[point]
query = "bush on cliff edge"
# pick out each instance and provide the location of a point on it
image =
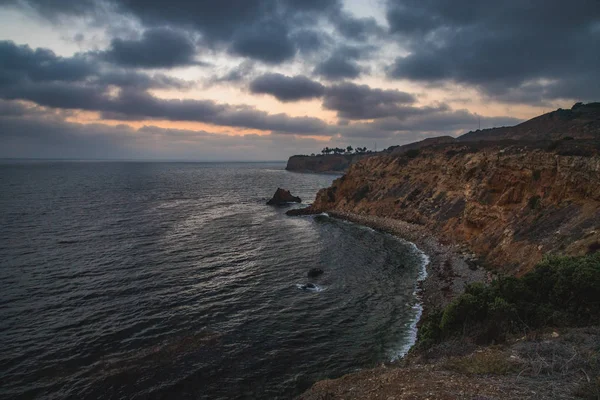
(559, 292)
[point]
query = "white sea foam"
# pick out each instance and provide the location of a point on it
(418, 308)
(315, 288)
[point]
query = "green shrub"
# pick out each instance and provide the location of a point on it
(537, 174)
(560, 291)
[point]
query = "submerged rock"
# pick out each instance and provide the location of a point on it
(300, 211)
(282, 197)
(314, 272)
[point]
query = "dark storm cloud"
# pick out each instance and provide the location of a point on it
(343, 63)
(56, 94)
(309, 41)
(337, 67)
(504, 48)
(355, 102)
(137, 105)
(359, 29)
(42, 77)
(269, 42)
(271, 31)
(157, 48)
(22, 62)
(286, 88)
(21, 65)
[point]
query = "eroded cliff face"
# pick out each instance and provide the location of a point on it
(510, 205)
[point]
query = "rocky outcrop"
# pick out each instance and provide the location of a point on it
(511, 204)
(283, 197)
(314, 272)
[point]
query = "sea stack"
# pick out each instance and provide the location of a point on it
(283, 197)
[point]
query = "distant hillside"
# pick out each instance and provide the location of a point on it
(419, 145)
(339, 163)
(582, 121)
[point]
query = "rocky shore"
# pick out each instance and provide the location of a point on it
(499, 201)
(449, 270)
(546, 365)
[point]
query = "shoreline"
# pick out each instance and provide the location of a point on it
(447, 273)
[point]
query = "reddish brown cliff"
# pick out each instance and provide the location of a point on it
(511, 204)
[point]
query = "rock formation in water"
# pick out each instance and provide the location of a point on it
(283, 197)
(314, 272)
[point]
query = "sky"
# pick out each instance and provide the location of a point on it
(265, 79)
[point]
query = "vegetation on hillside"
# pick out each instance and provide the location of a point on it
(559, 292)
(346, 150)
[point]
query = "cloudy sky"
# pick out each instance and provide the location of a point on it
(264, 79)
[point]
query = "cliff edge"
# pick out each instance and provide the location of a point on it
(510, 204)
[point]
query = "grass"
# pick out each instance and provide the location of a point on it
(489, 362)
(589, 390)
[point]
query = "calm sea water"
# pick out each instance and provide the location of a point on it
(175, 280)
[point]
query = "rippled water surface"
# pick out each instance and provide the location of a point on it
(175, 280)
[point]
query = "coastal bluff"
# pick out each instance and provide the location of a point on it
(510, 196)
(510, 204)
(329, 163)
(510, 220)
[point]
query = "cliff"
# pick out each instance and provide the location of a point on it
(508, 203)
(330, 163)
(506, 198)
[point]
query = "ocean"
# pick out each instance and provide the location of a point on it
(135, 280)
